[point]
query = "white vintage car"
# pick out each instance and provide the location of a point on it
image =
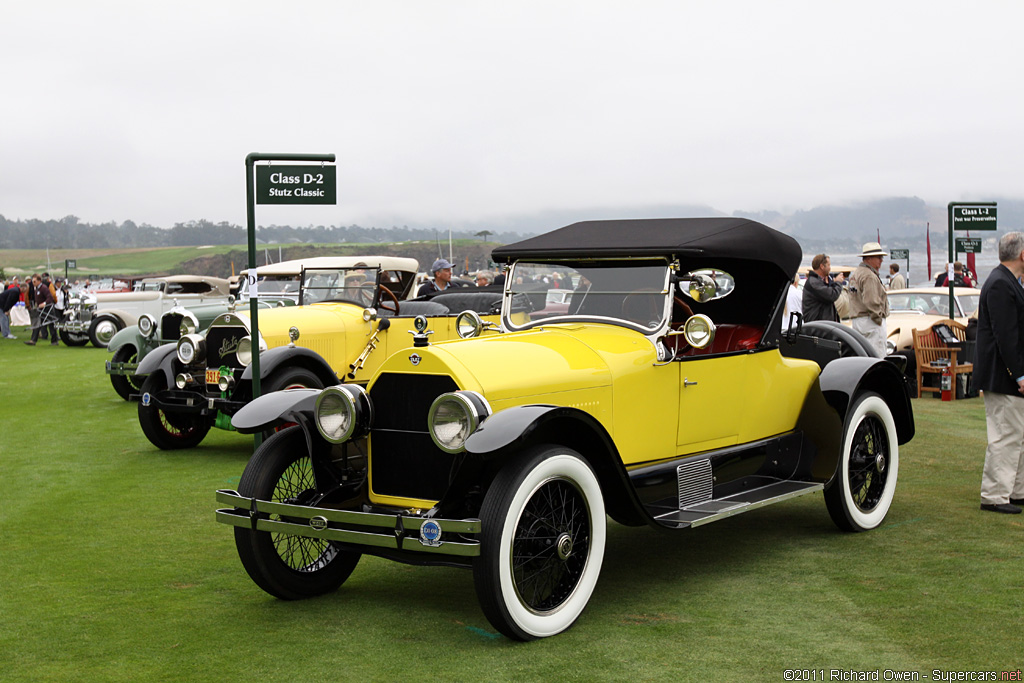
(97, 317)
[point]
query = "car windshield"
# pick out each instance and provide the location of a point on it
(932, 303)
(351, 285)
(630, 293)
(279, 284)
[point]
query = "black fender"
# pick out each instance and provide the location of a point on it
(293, 355)
(844, 379)
(272, 409)
(511, 430)
(160, 359)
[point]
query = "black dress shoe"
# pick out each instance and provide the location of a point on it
(1017, 501)
(1005, 508)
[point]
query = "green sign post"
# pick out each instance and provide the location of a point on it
(69, 264)
(269, 184)
(966, 216)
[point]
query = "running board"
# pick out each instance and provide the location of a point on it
(719, 508)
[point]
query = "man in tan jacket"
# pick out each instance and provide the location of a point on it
(869, 306)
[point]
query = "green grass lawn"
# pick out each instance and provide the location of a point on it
(112, 568)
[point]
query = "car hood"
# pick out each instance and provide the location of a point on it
(524, 367)
(312, 320)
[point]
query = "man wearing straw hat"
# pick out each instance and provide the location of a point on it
(869, 306)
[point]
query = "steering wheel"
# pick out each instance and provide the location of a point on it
(387, 293)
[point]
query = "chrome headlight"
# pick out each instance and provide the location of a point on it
(469, 324)
(244, 351)
(189, 324)
(454, 416)
(699, 331)
(147, 325)
(191, 349)
(890, 347)
(343, 412)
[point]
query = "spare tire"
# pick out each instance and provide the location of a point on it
(853, 342)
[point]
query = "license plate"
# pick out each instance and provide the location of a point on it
(212, 376)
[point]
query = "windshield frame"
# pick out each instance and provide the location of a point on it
(357, 295)
(514, 294)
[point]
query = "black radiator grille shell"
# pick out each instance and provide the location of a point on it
(218, 338)
(404, 462)
(170, 326)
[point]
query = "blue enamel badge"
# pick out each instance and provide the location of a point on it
(430, 533)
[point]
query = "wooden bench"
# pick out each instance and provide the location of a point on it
(931, 352)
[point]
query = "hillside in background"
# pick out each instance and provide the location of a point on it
(899, 221)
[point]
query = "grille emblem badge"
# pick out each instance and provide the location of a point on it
(415, 359)
(430, 534)
(228, 346)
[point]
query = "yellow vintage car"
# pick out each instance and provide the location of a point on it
(352, 314)
(663, 395)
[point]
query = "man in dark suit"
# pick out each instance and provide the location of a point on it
(999, 372)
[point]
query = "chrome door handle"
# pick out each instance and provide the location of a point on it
(688, 383)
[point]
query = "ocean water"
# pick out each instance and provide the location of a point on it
(984, 263)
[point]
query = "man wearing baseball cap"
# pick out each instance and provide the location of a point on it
(869, 305)
(442, 271)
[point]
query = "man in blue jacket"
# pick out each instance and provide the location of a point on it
(999, 372)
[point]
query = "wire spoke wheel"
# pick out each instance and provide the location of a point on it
(542, 543)
(550, 547)
(868, 464)
(286, 566)
(861, 492)
(298, 486)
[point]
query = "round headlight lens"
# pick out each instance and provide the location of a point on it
(699, 331)
(341, 411)
(244, 351)
(188, 325)
(186, 351)
(468, 324)
(453, 417)
(147, 325)
(191, 349)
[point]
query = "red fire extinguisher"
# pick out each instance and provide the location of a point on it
(947, 384)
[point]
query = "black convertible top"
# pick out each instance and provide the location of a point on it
(731, 238)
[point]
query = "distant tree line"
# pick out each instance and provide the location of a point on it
(71, 233)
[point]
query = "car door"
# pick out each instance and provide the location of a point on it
(713, 397)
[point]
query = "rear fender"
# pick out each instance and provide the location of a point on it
(844, 379)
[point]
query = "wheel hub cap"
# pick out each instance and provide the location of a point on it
(880, 462)
(564, 546)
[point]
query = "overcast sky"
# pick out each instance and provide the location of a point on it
(449, 112)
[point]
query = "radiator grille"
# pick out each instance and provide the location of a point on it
(221, 344)
(170, 326)
(404, 462)
(695, 482)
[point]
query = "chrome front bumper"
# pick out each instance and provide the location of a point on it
(397, 531)
(74, 326)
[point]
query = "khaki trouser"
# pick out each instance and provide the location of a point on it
(1003, 475)
(875, 334)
